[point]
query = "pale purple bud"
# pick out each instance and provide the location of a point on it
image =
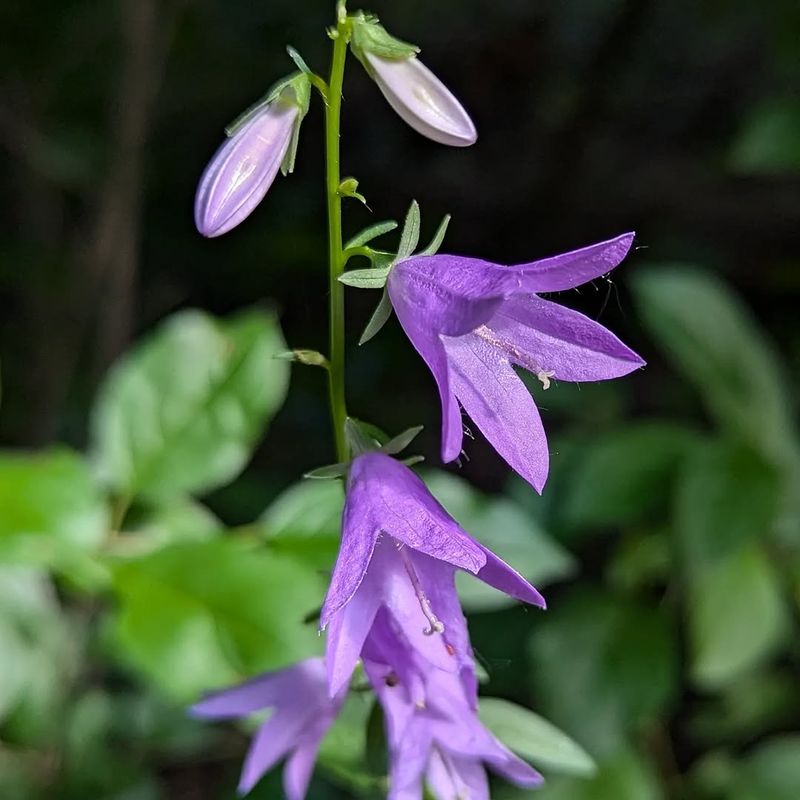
(242, 170)
(422, 100)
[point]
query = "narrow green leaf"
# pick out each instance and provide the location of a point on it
(373, 278)
(183, 411)
(438, 238)
(737, 617)
(410, 235)
(399, 443)
(298, 60)
(370, 233)
(534, 738)
(327, 473)
(380, 316)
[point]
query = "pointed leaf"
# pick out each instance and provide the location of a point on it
(399, 443)
(379, 318)
(370, 233)
(534, 738)
(328, 472)
(438, 238)
(298, 60)
(373, 278)
(410, 236)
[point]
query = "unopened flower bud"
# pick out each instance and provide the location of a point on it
(260, 143)
(422, 100)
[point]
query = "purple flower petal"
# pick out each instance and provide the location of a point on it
(261, 692)
(300, 765)
(569, 270)
(454, 778)
(273, 740)
(409, 757)
(503, 577)
(451, 295)
(422, 100)
(547, 337)
(242, 170)
(500, 405)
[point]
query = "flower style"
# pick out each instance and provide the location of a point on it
(303, 713)
(441, 740)
(421, 100)
(261, 142)
(471, 320)
(399, 552)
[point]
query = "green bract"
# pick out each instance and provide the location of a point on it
(371, 37)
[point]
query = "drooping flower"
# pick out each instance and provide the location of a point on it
(303, 712)
(244, 167)
(472, 321)
(440, 741)
(399, 552)
(420, 99)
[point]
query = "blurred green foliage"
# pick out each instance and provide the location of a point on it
(168, 547)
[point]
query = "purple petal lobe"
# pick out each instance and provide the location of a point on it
(546, 337)
(242, 170)
(500, 405)
(300, 764)
(451, 295)
(409, 759)
(453, 778)
(503, 577)
(572, 269)
(262, 692)
(422, 100)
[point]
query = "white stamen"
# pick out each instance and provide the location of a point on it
(436, 625)
(544, 376)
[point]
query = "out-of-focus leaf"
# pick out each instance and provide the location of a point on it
(714, 342)
(504, 527)
(625, 475)
(769, 142)
(642, 560)
(13, 676)
(304, 521)
(727, 496)
(601, 667)
(183, 411)
(625, 776)
(51, 511)
(197, 616)
(533, 737)
(737, 616)
(772, 772)
(183, 520)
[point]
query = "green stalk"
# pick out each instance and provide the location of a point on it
(335, 252)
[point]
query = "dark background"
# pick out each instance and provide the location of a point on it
(677, 119)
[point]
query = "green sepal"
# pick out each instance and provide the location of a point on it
(299, 61)
(409, 238)
(310, 358)
(399, 443)
(412, 461)
(327, 473)
(349, 188)
(372, 278)
(359, 440)
(370, 233)
(369, 36)
(379, 318)
(438, 238)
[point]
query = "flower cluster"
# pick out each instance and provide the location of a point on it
(392, 605)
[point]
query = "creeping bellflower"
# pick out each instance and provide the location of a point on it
(421, 100)
(440, 741)
(242, 170)
(303, 712)
(471, 320)
(399, 552)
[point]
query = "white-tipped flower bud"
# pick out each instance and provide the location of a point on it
(412, 90)
(261, 142)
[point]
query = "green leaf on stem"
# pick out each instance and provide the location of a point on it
(372, 278)
(183, 411)
(399, 443)
(329, 472)
(534, 738)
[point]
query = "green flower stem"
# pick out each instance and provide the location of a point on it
(335, 253)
